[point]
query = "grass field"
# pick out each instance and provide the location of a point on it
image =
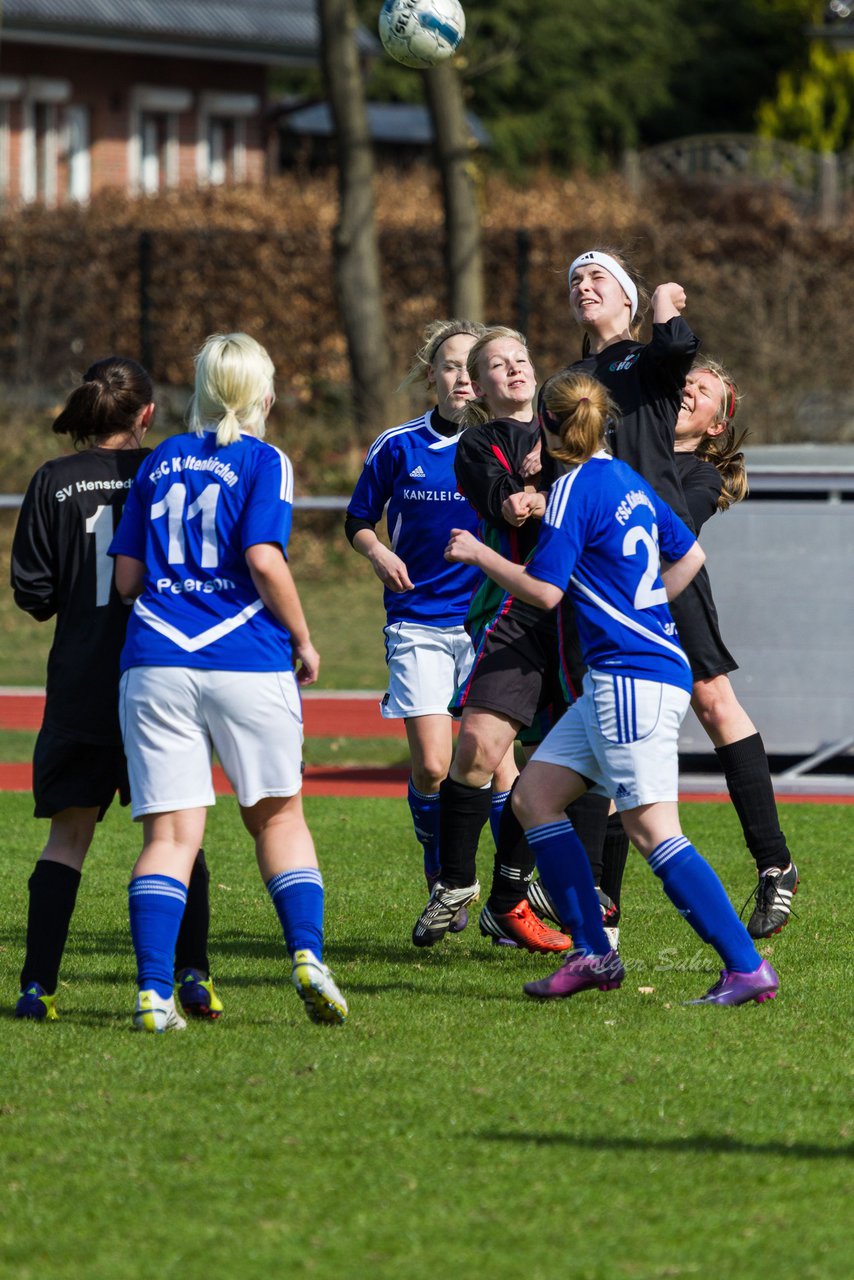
(452, 1127)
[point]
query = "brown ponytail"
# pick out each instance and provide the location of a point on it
(106, 403)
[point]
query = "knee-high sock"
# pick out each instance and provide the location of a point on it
(496, 809)
(191, 948)
(298, 898)
(565, 871)
(748, 781)
(463, 813)
(424, 808)
(513, 867)
(155, 905)
(53, 893)
(698, 895)
(614, 855)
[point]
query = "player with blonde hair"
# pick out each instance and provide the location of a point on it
(604, 534)
(409, 474)
(526, 664)
(216, 632)
(709, 455)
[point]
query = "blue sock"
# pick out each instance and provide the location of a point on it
(499, 799)
(564, 868)
(425, 820)
(156, 907)
(298, 898)
(698, 895)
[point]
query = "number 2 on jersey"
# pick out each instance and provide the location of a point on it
(647, 595)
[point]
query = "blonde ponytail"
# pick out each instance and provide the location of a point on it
(578, 410)
(228, 428)
(234, 387)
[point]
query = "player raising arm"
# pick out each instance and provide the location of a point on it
(603, 532)
(647, 381)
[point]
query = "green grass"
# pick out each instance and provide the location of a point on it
(16, 746)
(452, 1128)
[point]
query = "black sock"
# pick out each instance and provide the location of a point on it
(53, 892)
(514, 862)
(748, 781)
(589, 817)
(463, 813)
(191, 949)
(614, 856)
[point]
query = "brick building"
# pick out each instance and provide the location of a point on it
(143, 97)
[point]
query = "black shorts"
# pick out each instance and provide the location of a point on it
(525, 667)
(696, 621)
(68, 774)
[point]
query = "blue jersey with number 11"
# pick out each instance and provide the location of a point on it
(194, 510)
(602, 534)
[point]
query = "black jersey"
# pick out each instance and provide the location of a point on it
(701, 483)
(487, 469)
(646, 381)
(487, 466)
(60, 567)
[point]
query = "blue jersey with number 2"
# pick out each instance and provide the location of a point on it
(194, 510)
(601, 537)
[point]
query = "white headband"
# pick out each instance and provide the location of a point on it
(613, 267)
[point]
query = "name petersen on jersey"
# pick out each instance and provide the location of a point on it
(207, 586)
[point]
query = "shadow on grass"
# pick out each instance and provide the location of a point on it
(703, 1142)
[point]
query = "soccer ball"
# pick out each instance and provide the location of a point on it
(420, 33)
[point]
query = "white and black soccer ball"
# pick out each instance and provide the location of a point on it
(420, 33)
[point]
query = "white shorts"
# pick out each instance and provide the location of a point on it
(425, 665)
(623, 733)
(172, 717)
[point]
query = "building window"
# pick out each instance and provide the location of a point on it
(221, 148)
(153, 158)
(77, 161)
(40, 138)
(154, 135)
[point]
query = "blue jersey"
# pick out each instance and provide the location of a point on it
(411, 468)
(600, 541)
(192, 513)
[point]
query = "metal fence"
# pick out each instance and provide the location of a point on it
(781, 570)
(821, 183)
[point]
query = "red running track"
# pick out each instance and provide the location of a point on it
(325, 717)
(318, 781)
